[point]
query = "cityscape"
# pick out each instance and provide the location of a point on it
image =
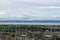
(29, 32)
(29, 19)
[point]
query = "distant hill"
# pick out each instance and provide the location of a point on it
(28, 21)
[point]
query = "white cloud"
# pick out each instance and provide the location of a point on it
(50, 7)
(2, 13)
(30, 9)
(39, 0)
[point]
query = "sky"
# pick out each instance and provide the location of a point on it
(29, 9)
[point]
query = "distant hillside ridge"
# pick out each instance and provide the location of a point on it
(28, 21)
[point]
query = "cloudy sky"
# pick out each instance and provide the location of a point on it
(30, 9)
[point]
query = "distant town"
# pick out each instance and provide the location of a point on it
(29, 32)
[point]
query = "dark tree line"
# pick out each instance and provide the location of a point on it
(43, 28)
